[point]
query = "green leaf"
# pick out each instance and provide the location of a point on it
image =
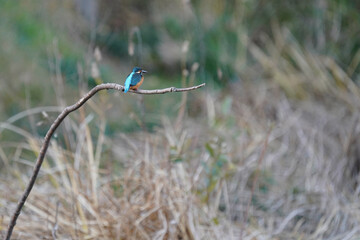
(210, 149)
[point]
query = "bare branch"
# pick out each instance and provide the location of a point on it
(58, 121)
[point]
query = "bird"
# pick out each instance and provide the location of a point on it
(135, 79)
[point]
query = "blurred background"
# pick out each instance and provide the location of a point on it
(268, 149)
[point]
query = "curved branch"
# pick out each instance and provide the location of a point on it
(58, 121)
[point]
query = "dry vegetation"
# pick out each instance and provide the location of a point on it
(273, 155)
(271, 160)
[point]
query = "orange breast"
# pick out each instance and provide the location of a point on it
(138, 84)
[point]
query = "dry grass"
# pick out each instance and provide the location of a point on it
(149, 198)
(194, 180)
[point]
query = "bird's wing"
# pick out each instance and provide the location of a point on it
(128, 82)
(135, 79)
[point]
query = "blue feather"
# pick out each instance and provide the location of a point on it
(135, 79)
(128, 82)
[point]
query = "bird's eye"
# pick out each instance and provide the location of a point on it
(138, 71)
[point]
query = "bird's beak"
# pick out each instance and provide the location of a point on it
(144, 71)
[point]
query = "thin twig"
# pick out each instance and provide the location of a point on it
(58, 121)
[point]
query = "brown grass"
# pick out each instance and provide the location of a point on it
(194, 180)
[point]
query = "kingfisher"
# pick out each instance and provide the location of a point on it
(135, 79)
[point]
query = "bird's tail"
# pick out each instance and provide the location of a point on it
(127, 86)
